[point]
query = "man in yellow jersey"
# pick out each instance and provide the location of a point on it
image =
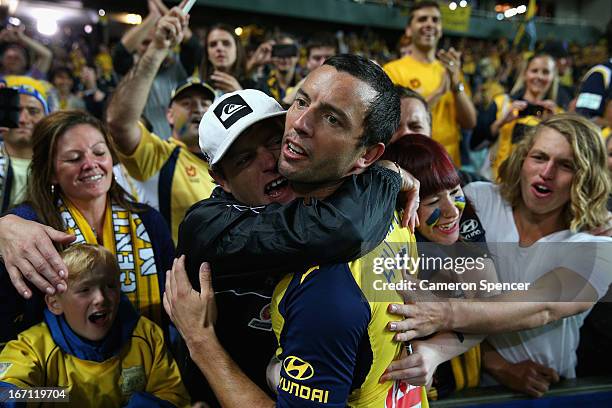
(437, 77)
(334, 346)
(176, 175)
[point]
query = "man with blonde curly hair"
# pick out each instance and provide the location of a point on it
(553, 189)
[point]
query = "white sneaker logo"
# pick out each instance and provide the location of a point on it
(229, 110)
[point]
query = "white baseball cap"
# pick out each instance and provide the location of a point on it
(229, 116)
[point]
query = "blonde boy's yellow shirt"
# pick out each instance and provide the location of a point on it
(143, 364)
(190, 181)
(426, 78)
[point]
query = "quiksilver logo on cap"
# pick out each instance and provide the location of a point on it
(231, 110)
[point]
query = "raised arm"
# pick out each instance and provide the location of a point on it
(130, 97)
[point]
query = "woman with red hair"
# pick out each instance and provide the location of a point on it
(445, 217)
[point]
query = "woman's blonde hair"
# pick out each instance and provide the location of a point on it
(520, 85)
(590, 188)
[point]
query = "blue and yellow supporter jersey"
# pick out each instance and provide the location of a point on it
(131, 365)
(331, 323)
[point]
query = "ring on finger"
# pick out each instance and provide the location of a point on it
(451, 64)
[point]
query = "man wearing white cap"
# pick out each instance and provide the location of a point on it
(335, 130)
(241, 136)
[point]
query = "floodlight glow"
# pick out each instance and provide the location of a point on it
(238, 31)
(510, 13)
(47, 26)
(133, 19)
(452, 6)
(88, 29)
(521, 9)
(463, 3)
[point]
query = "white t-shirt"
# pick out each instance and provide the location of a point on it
(553, 345)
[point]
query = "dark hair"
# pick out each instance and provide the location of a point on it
(59, 70)
(20, 48)
(44, 146)
(425, 159)
(409, 93)
(421, 5)
(321, 40)
(238, 70)
(382, 117)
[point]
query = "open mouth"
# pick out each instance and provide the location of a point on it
(276, 187)
(542, 189)
(294, 149)
(98, 318)
(448, 228)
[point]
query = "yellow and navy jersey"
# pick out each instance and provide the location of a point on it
(426, 78)
(182, 177)
(332, 336)
(131, 365)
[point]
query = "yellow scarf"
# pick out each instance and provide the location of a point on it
(125, 236)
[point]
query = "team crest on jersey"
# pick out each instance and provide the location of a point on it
(132, 380)
(265, 319)
(414, 83)
(191, 171)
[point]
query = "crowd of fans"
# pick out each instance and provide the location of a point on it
(114, 147)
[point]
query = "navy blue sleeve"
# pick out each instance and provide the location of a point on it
(325, 344)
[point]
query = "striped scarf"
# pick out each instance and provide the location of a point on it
(125, 236)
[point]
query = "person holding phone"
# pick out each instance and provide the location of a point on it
(30, 106)
(283, 76)
(532, 99)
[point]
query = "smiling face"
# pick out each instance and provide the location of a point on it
(439, 215)
(539, 75)
(547, 173)
(90, 302)
(249, 169)
(82, 164)
(425, 28)
(221, 49)
(324, 127)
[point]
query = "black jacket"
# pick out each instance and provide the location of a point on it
(251, 248)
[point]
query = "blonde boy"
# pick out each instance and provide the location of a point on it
(93, 343)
